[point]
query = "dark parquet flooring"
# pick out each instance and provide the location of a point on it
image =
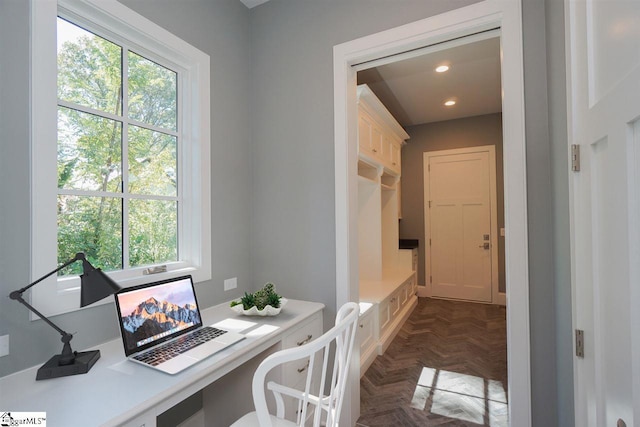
(446, 367)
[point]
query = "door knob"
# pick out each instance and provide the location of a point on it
(484, 246)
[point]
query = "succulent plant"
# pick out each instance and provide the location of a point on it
(273, 300)
(260, 299)
(248, 301)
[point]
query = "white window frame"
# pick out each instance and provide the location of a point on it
(60, 295)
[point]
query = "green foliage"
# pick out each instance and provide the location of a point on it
(90, 72)
(152, 162)
(273, 300)
(260, 299)
(92, 225)
(152, 93)
(248, 301)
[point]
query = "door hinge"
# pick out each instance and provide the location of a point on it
(579, 343)
(429, 241)
(575, 157)
(430, 279)
(429, 204)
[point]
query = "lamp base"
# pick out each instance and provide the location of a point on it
(83, 362)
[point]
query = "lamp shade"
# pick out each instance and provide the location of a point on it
(95, 284)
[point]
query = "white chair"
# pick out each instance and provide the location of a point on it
(313, 405)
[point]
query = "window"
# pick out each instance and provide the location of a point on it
(120, 148)
(118, 193)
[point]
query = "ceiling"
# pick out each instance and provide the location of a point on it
(415, 93)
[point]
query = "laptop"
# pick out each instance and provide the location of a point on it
(161, 326)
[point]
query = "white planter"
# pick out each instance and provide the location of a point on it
(253, 311)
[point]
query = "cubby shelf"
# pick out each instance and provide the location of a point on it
(380, 140)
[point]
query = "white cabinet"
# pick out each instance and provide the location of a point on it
(414, 259)
(294, 373)
(384, 315)
(389, 302)
(367, 336)
(365, 145)
(391, 153)
(380, 136)
(394, 310)
(380, 140)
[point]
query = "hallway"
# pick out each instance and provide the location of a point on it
(446, 367)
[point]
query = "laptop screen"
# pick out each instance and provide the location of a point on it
(156, 312)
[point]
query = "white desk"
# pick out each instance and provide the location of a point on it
(120, 392)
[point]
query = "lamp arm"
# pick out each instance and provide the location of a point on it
(17, 296)
(78, 256)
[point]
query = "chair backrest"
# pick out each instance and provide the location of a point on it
(326, 394)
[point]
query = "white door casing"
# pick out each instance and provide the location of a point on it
(460, 223)
(482, 16)
(603, 85)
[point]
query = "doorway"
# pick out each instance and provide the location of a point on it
(459, 211)
(428, 32)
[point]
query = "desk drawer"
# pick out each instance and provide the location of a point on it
(293, 372)
(308, 331)
(296, 372)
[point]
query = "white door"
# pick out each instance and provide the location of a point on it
(458, 223)
(604, 109)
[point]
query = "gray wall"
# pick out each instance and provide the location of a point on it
(221, 29)
(547, 198)
(446, 135)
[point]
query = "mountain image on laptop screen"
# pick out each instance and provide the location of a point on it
(159, 315)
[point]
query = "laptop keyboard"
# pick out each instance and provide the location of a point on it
(170, 350)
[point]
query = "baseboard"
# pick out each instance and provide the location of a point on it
(423, 291)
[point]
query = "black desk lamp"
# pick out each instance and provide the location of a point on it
(94, 286)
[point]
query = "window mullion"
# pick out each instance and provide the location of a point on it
(116, 117)
(87, 193)
(89, 110)
(125, 157)
(182, 153)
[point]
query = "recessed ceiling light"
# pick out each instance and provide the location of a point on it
(442, 68)
(450, 103)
